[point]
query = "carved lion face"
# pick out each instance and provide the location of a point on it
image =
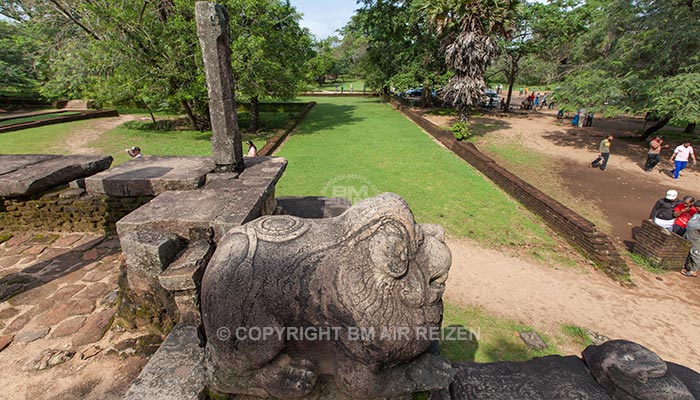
(398, 271)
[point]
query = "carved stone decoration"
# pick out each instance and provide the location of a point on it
(288, 302)
(630, 371)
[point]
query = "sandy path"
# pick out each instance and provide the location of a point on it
(77, 142)
(663, 315)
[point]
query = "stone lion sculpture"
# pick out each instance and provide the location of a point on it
(290, 302)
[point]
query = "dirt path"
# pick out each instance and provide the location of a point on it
(663, 315)
(77, 143)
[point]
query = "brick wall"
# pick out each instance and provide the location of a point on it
(65, 209)
(663, 248)
(577, 230)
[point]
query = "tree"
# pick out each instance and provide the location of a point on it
(322, 63)
(269, 50)
(401, 53)
(646, 51)
(18, 74)
(468, 30)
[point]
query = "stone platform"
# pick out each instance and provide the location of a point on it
(151, 176)
(26, 174)
(226, 201)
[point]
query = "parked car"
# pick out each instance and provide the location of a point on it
(416, 92)
(489, 99)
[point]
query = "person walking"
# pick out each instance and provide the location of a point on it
(680, 157)
(662, 212)
(692, 235)
(604, 156)
(654, 154)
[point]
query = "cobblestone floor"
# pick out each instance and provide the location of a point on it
(57, 302)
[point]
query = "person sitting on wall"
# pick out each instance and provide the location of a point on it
(252, 150)
(683, 212)
(134, 152)
(662, 213)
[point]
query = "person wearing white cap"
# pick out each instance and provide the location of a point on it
(662, 213)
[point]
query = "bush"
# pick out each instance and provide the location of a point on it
(461, 131)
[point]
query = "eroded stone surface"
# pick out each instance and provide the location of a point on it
(372, 267)
(31, 335)
(222, 204)
(94, 328)
(629, 370)
(151, 176)
(31, 174)
(175, 371)
(150, 251)
(185, 273)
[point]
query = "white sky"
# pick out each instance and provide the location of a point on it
(324, 17)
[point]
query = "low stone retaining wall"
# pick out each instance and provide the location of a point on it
(577, 230)
(68, 118)
(66, 209)
(663, 248)
(276, 141)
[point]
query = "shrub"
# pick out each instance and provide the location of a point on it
(461, 131)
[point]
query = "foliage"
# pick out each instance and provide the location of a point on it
(401, 53)
(647, 264)
(17, 72)
(578, 334)
(468, 30)
(461, 130)
(323, 63)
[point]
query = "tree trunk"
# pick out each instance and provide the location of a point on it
(511, 83)
(190, 115)
(690, 128)
(153, 117)
(254, 114)
(463, 112)
(660, 124)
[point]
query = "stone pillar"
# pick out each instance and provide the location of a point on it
(213, 33)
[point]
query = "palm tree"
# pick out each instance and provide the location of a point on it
(469, 29)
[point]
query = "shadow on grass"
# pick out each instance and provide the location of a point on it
(484, 125)
(459, 343)
(326, 116)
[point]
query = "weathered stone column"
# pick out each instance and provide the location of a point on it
(213, 33)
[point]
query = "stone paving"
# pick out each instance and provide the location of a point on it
(58, 298)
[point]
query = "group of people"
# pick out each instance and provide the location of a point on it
(534, 100)
(582, 119)
(682, 154)
(681, 218)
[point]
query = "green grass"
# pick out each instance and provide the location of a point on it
(492, 339)
(44, 139)
(4, 237)
(357, 85)
(577, 334)
(647, 264)
(36, 118)
(177, 142)
(358, 147)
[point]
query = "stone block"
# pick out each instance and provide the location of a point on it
(188, 305)
(224, 203)
(150, 251)
(175, 371)
(30, 178)
(186, 271)
(151, 176)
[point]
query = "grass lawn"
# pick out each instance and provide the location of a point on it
(359, 147)
(176, 142)
(485, 338)
(43, 139)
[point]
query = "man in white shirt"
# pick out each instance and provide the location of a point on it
(680, 156)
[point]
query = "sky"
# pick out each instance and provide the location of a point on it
(323, 17)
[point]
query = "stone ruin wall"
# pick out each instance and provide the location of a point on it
(65, 209)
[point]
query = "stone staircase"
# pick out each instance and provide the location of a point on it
(75, 105)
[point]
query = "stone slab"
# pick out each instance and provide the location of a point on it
(24, 176)
(185, 273)
(151, 176)
(176, 370)
(13, 162)
(551, 377)
(224, 203)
